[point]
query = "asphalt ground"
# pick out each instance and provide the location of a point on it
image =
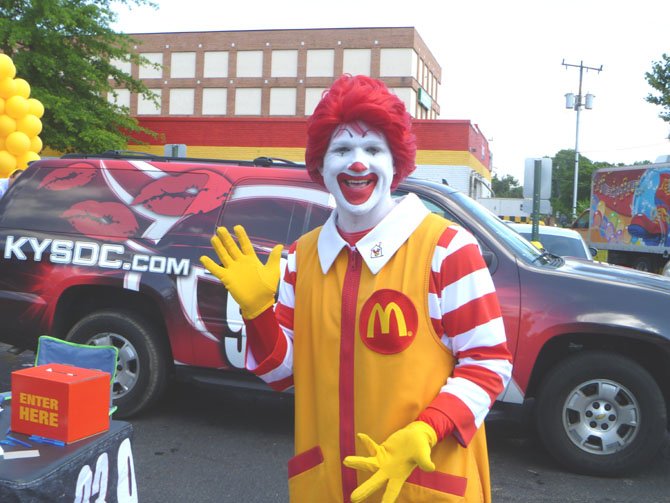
(215, 445)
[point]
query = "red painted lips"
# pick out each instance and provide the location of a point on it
(184, 194)
(69, 177)
(110, 221)
(357, 189)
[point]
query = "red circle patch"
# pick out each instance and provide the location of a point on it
(388, 322)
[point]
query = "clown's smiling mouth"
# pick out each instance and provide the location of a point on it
(357, 189)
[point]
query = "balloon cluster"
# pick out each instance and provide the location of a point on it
(20, 122)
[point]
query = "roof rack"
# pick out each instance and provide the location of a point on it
(145, 156)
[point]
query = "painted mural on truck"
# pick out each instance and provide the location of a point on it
(631, 207)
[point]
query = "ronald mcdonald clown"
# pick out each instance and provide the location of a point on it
(387, 322)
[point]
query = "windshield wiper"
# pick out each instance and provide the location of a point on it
(548, 258)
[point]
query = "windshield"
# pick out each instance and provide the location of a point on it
(511, 239)
(520, 246)
(564, 246)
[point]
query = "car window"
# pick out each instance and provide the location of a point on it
(583, 221)
(70, 201)
(520, 246)
(432, 206)
(270, 220)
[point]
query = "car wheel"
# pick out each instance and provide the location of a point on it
(143, 362)
(600, 413)
(645, 264)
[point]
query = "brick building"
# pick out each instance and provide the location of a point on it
(229, 94)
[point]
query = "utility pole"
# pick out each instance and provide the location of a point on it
(576, 103)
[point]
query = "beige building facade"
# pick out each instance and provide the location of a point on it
(276, 73)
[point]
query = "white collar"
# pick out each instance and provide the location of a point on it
(381, 243)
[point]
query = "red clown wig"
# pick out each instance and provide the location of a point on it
(361, 98)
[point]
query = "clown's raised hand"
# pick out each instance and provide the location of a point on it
(251, 283)
(393, 461)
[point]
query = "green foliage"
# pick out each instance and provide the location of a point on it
(659, 80)
(563, 178)
(65, 50)
(507, 186)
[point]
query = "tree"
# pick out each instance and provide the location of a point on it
(659, 79)
(563, 182)
(66, 51)
(507, 186)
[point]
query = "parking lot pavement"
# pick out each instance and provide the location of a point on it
(219, 445)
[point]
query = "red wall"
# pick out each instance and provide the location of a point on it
(457, 135)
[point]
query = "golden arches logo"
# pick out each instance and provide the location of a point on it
(384, 315)
(388, 336)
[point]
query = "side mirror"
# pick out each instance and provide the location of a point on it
(490, 260)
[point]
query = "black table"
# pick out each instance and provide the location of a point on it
(100, 466)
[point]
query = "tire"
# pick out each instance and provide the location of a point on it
(646, 264)
(143, 364)
(600, 413)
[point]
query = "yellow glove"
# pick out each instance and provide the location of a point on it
(393, 460)
(252, 284)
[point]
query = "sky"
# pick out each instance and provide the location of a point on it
(501, 63)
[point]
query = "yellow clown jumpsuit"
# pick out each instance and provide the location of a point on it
(367, 359)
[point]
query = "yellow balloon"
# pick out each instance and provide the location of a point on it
(2, 106)
(7, 163)
(7, 88)
(16, 106)
(17, 143)
(35, 108)
(7, 125)
(22, 88)
(7, 68)
(2, 142)
(23, 160)
(30, 125)
(35, 144)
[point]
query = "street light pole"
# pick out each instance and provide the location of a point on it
(576, 102)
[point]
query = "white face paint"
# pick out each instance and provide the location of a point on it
(358, 171)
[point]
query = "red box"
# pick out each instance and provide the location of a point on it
(61, 402)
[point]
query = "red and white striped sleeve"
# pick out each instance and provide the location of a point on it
(465, 313)
(277, 369)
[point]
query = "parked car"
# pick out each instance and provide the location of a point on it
(104, 250)
(557, 240)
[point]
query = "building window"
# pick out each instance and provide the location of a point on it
(282, 101)
(408, 97)
(357, 61)
(419, 73)
(397, 62)
(320, 63)
(250, 63)
(148, 107)
(182, 101)
(214, 101)
(247, 101)
(284, 64)
(312, 97)
(182, 65)
(149, 72)
(122, 98)
(216, 64)
(124, 66)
